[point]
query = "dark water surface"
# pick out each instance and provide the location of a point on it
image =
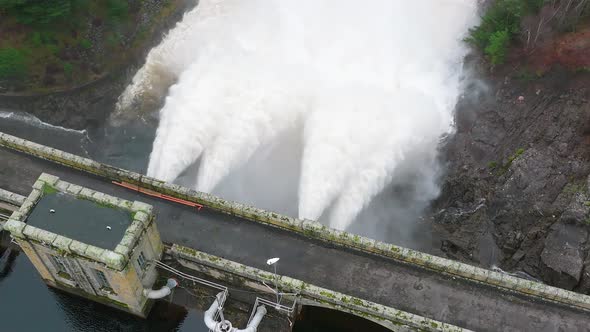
(127, 145)
(26, 303)
(80, 219)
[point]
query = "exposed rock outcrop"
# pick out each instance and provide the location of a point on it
(562, 258)
(516, 193)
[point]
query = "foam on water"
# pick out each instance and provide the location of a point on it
(35, 121)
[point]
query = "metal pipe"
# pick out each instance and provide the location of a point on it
(190, 277)
(225, 325)
(162, 292)
(253, 325)
(210, 321)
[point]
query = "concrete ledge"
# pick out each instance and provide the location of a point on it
(48, 184)
(222, 269)
(307, 228)
(12, 198)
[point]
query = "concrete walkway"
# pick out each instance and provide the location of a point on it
(453, 300)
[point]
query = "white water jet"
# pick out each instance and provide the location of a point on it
(167, 61)
(373, 85)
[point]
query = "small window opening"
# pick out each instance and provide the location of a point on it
(141, 261)
(102, 280)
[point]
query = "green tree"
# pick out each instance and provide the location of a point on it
(68, 69)
(499, 25)
(12, 64)
(118, 9)
(86, 44)
(497, 46)
(503, 15)
(37, 11)
(534, 6)
(36, 39)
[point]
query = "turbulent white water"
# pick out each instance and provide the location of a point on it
(370, 85)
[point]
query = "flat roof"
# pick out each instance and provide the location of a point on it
(80, 220)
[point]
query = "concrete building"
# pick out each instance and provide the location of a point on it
(90, 244)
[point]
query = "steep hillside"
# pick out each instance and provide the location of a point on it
(49, 46)
(517, 191)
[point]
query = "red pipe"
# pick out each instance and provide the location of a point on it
(157, 194)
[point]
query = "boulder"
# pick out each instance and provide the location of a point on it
(562, 258)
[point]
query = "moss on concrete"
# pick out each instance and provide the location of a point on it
(64, 275)
(245, 276)
(327, 294)
(307, 228)
(49, 190)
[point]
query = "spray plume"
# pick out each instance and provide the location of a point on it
(372, 86)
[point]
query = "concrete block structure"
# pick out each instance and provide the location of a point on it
(88, 243)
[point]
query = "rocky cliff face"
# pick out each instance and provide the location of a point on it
(517, 191)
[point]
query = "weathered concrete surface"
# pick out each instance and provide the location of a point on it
(307, 294)
(83, 246)
(12, 198)
(309, 229)
(9, 202)
(402, 286)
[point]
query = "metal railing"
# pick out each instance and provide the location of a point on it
(275, 305)
(201, 281)
(259, 300)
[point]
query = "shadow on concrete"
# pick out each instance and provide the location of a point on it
(318, 319)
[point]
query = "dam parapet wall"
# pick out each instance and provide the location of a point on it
(306, 228)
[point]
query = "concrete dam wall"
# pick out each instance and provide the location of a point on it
(308, 229)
